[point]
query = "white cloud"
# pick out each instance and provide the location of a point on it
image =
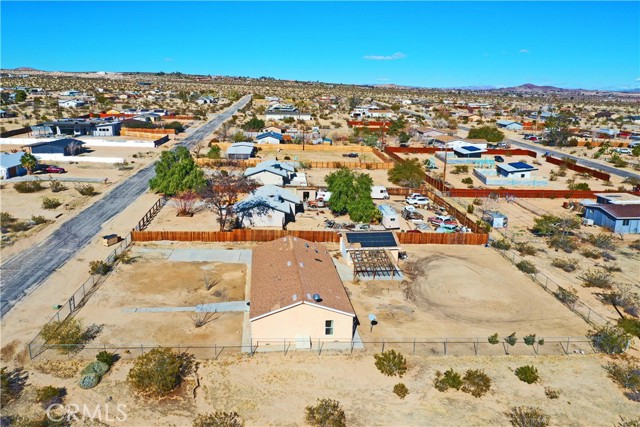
(397, 55)
(524, 51)
(638, 79)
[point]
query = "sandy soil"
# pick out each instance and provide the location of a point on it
(273, 390)
(460, 292)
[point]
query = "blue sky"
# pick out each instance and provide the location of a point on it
(431, 44)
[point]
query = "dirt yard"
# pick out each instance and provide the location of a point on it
(273, 390)
(153, 281)
(461, 292)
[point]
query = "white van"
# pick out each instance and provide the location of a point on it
(390, 218)
(379, 192)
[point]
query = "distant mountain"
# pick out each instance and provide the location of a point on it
(25, 69)
(636, 90)
(529, 87)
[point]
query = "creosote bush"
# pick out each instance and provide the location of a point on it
(28, 186)
(476, 382)
(450, 379)
(218, 419)
(610, 339)
(326, 413)
(602, 241)
(159, 372)
(99, 267)
(400, 390)
(50, 395)
(502, 244)
(38, 219)
(86, 189)
(56, 186)
(527, 374)
(50, 203)
(527, 267)
(566, 264)
(69, 332)
(590, 253)
(391, 363)
(567, 296)
(626, 375)
(526, 249)
(597, 278)
(564, 242)
(552, 393)
(527, 416)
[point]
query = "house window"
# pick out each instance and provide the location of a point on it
(328, 327)
(625, 222)
(521, 175)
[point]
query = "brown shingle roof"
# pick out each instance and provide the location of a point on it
(289, 271)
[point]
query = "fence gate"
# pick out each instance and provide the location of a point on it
(72, 304)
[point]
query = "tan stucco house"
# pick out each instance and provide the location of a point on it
(297, 295)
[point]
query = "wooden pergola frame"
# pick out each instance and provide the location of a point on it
(372, 263)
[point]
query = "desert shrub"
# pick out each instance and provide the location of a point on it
(502, 244)
(20, 226)
(400, 390)
(608, 256)
(89, 381)
(477, 201)
(564, 242)
(567, 296)
(50, 395)
(28, 186)
(630, 326)
(460, 169)
(98, 368)
(11, 385)
(529, 339)
(99, 267)
(552, 393)
(50, 203)
(69, 332)
(214, 152)
(527, 374)
(470, 209)
(628, 423)
(6, 219)
(450, 379)
(476, 383)
(511, 339)
(610, 339)
(612, 268)
(493, 339)
(56, 186)
(602, 241)
(527, 267)
(626, 375)
(590, 253)
(218, 419)
(526, 249)
(467, 180)
(86, 189)
(106, 358)
(566, 264)
(391, 363)
(327, 413)
(38, 219)
(527, 416)
(159, 372)
(597, 278)
(635, 245)
(623, 295)
(125, 258)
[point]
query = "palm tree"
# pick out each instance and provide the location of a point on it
(29, 162)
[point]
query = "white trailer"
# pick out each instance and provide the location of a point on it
(379, 192)
(390, 218)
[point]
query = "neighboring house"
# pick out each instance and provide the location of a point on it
(428, 132)
(78, 127)
(71, 92)
(58, 146)
(148, 117)
(206, 100)
(269, 138)
(10, 165)
(297, 294)
(380, 114)
(619, 218)
(509, 125)
(71, 103)
(516, 170)
(107, 129)
(469, 152)
(241, 151)
(273, 129)
(271, 172)
(268, 206)
(282, 111)
(617, 198)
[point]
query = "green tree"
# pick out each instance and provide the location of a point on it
(558, 132)
(253, 124)
(177, 172)
(407, 174)
(214, 152)
(403, 138)
(351, 193)
(21, 96)
(396, 127)
(29, 162)
(175, 125)
(489, 133)
(370, 139)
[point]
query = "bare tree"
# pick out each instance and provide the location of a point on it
(185, 202)
(224, 130)
(197, 148)
(201, 318)
(209, 281)
(223, 190)
(74, 147)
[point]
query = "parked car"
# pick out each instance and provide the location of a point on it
(533, 138)
(350, 155)
(413, 195)
(503, 145)
(53, 169)
(419, 200)
(622, 150)
(410, 213)
(441, 220)
(498, 159)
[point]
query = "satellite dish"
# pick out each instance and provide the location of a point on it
(373, 319)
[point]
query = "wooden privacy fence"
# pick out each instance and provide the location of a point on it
(579, 168)
(312, 165)
(431, 150)
(246, 235)
(141, 132)
(443, 238)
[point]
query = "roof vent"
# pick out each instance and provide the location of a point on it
(301, 265)
(317, 298)
(288, 263)
(294, 297)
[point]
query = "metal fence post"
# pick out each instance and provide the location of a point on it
(445, 346)
(414, 346)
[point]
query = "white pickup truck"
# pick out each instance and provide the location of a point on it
(417, 199)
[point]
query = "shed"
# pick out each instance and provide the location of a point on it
(58, 146)
(495, 219)
(241, 151)
(10, 165)
(516, 170)
(469, 152)
(298, 296)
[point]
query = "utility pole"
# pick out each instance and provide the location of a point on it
(444, 173)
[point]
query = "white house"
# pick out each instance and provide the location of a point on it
(267, 206)
(71, 92)
(516, 170)
(10, 165)
(206, 100)
(241, 151)
(297, 294)
(509, 125)
(271, 172)
(71, 103)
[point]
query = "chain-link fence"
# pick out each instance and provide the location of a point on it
(412, 346)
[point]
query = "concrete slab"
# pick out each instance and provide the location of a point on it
(219, 307)
(230, 256)
(344, 271)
